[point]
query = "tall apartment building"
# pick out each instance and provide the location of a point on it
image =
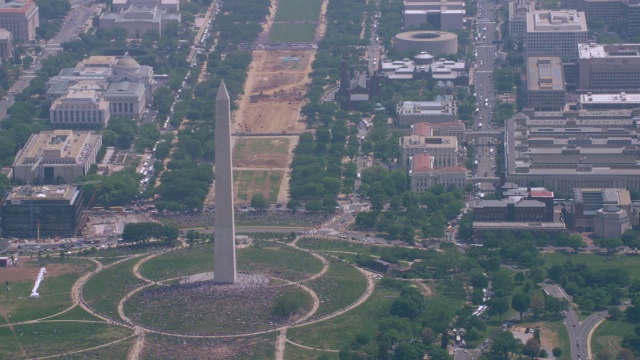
(443, 149)
(609, 67)
(555, 33)
(21, 18)
(518, 18)
(545, 83)
(6, 45)
(56, 156)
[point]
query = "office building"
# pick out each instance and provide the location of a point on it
(518, 18)
(58, 156)
(608, 11)
(546, 88)
(441, 18)
(609, 67)
(423, 174)
(622, 100)
(439, 111)
(80, 109)
(599, 210)
(555, 33)
(21, 18)
(42, 211)
(443, 149)
(452, 128)
(141, 16)
(6, 45)
(574, 149)
(632, 13)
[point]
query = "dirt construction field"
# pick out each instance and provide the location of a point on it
(274, 92)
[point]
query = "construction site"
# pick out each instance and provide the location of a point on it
(274, 93)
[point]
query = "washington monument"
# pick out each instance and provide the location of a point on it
(224, 262)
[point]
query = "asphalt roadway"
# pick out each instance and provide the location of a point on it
(485, 94)
(578, 330)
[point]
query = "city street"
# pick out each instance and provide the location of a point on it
(71, 27)
(485, 53)
(578, 330)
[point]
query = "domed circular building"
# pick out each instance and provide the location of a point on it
(433, 42)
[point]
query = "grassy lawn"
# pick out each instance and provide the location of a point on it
(629, 263)
(55, 293)
(609, 335)
(56, 338)
(340, 286)
(104, 290)
(77, 313)
(115, 351)
(334, 245)
(279, 261)
(250, 182)
(117, 253)
(289, 10)
(340, 331)
(203, 308)
(255, 348)
(298, 353)
(187, 261)
(292, 32)
(261, 152)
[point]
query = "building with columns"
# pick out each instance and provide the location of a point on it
(21, 18)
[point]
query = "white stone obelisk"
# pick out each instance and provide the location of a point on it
(224, 262)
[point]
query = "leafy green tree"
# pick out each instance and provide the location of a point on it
(520, 302)
(531, 348)
(557, 352)
(498, 305)
(259, 202)
(504, 344)
(555, 305)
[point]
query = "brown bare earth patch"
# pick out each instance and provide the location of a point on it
(26, 271)
(274, 92)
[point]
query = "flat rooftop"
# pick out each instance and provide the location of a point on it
(545, 73)
(556, 21)
(45, 192)
(66, 146)
(482, 225)
(620, 98)
(599, 51)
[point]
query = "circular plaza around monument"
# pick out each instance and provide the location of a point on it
(269, 292)
(206, 308)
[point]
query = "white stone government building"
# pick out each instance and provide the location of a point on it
(85, 97)
(57, 156)
(141, 16)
